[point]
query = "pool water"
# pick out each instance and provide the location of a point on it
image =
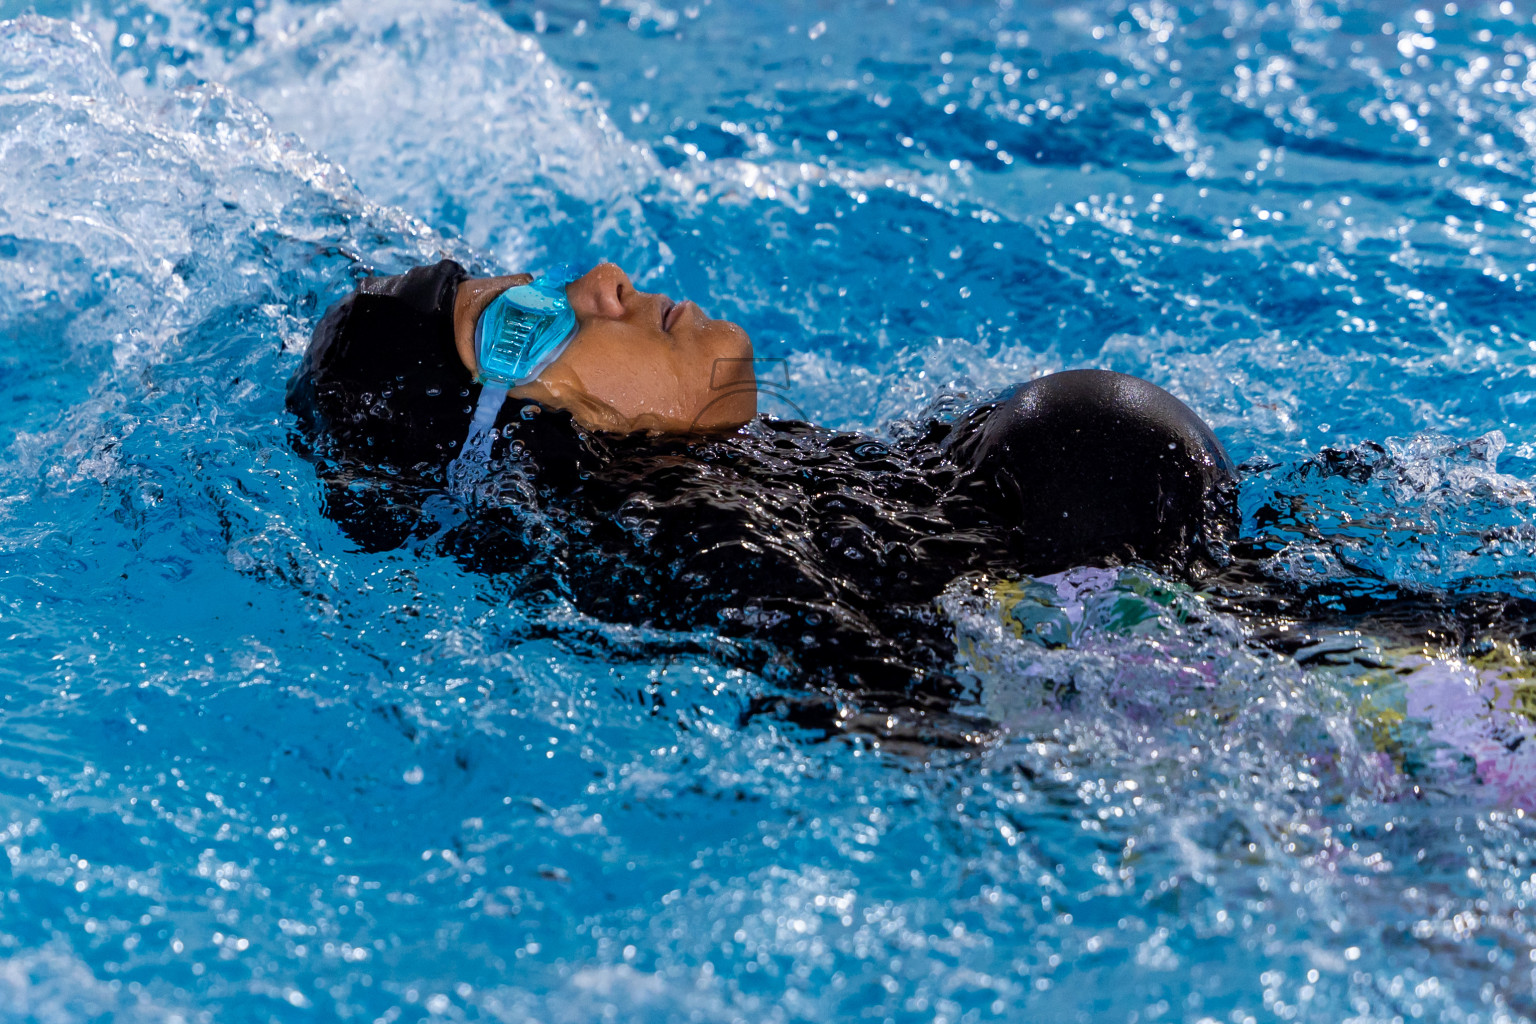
(248, 773)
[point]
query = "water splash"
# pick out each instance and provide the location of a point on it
(248, 773)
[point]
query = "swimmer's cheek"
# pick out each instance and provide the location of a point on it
(597, 412)
(586, 410)
(656, 400)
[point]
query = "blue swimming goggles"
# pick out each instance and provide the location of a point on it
(524, 329)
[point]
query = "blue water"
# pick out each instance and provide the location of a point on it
(250, 774)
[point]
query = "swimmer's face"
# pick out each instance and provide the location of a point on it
(642, 362)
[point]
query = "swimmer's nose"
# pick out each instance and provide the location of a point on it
(602, 293)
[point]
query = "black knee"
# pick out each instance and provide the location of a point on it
(1090, 464)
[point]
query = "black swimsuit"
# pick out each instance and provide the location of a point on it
(807, 551)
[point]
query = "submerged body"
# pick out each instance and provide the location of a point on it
(809, 555)
(814, 550)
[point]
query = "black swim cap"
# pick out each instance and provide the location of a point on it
(382, 378)
(1089, 464)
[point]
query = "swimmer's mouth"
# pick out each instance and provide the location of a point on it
(672, 314)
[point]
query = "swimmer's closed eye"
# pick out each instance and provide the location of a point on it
(524, 329)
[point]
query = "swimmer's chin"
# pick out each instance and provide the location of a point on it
(725, 415)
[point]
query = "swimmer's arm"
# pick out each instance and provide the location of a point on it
(473, 296)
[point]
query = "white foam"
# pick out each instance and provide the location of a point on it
(439, 107)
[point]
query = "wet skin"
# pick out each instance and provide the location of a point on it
(640, 363)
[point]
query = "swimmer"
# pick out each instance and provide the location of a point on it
(582, 440)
